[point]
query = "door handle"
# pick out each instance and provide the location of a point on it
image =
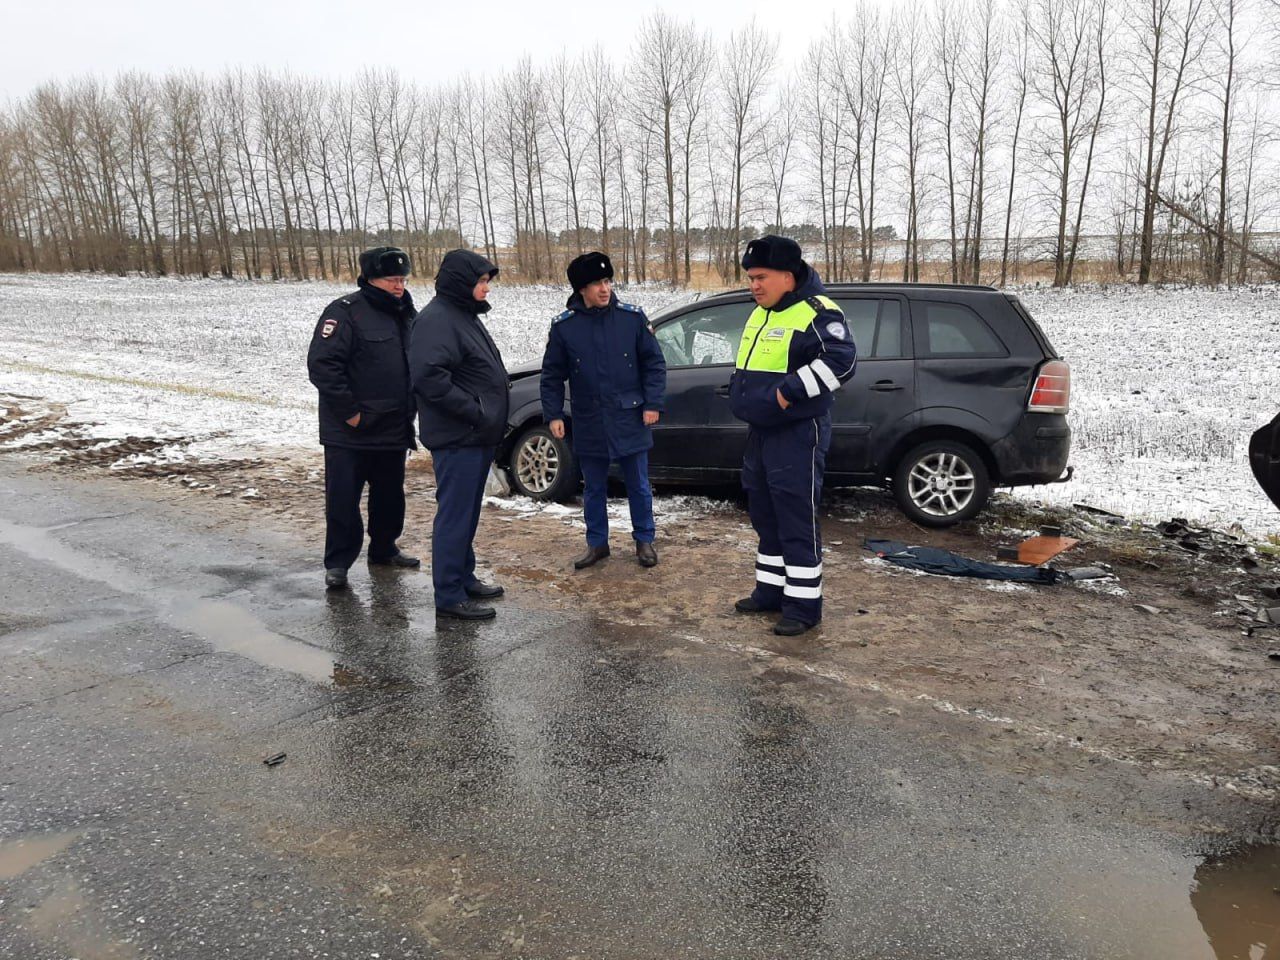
(884, 386)
(722, 390)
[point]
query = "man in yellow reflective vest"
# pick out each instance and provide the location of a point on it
(795, 353)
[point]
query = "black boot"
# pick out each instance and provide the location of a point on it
(749, 605)
(467, 610)
(484, 591)
(396, 560)
(645, 553)
(592, 556)
(335, 579)
(786, 627)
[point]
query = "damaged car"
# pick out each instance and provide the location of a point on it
(957, 391)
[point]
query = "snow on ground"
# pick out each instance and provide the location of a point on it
(1168, 383)
(1167, 387)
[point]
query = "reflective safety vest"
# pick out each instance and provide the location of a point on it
(766, 339)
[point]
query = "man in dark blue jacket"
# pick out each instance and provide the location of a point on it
(796, 351)
(357, 361)
(617, 376)
(461, 386)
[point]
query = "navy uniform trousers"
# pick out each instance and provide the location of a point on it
(461, 473)
(782, 472)
(346, 472)
(595, 496)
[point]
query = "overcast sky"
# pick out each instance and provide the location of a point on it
(432, 42)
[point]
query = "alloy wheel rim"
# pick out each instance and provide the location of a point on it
(941, 484)
(538, 464)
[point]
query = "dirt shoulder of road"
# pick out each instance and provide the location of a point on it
(1187, 691)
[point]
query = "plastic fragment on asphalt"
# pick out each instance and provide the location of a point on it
(1147, 608)
(275, 759)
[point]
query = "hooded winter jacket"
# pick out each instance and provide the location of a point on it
(458, 376)
(801, 346)
(357, 360)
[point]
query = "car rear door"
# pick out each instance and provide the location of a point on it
(967, 374)
(874, 406)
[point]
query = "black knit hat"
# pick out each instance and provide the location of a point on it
(589, 268)
(775, 253)
(385, 262)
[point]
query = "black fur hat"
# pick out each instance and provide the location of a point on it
(775, 253)
(385, 262)
(589, 268)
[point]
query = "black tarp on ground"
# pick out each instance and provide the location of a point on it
(948, 564)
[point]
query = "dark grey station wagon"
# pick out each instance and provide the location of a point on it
(957, 391)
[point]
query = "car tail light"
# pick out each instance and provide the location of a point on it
(1052, 390)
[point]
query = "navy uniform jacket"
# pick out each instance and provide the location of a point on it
(358, 362)
(615, 370)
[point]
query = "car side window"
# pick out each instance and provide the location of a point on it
(704, 337)
(876, 326)
(953, 330)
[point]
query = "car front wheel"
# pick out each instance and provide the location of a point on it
(543, 467)
(941, 482)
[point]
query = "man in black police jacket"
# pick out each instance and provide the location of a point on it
(358, 362)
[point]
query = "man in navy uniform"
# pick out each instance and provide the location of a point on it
(795, 353)
(358, 362)
(617, 377)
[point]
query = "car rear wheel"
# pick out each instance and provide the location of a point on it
(542, 467)
(941, 482)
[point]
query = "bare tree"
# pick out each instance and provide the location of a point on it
(745, 67)
(1169, 40)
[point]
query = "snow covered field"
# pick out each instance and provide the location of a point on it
(1168, 383)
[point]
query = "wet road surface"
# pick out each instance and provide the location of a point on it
(542, 786)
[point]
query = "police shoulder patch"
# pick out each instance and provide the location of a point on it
(837, 330)
(562, 316)
(629, 307)
(329, 325)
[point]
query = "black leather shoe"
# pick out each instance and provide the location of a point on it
(749, 605)
(467, 610)
(484, 591)
(396, 560)
(593, 555)
(790, 628)
(645, 553)
(335, 579)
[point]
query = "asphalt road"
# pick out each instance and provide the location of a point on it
(542, 786)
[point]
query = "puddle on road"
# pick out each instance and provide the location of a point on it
(1237, 900)
(233, 629)
(227, 627)
(20, 854)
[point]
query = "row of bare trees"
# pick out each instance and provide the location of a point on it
(979, 141)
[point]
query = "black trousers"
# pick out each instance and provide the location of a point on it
(346, 471)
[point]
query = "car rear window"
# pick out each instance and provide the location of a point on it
(876, 326)
(953, 330)
(1021, 310)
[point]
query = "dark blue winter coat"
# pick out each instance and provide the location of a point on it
(615, 370)
(457, 372)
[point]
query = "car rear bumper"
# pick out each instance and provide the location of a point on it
(1036, 451)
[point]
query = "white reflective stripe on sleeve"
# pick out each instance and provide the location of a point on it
(809, 380)
(802, 593)
(828, 376)
(773, 579)
(804, 573)
(769, 561)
